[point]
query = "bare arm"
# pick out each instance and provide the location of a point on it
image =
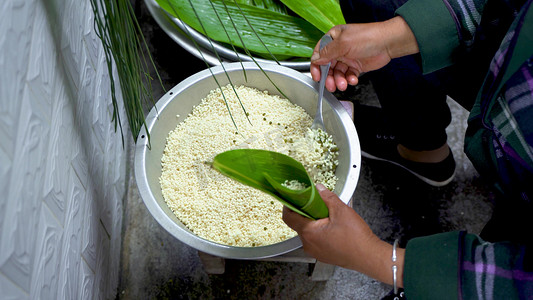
(359, 48)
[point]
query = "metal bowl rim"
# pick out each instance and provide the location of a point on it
(199, 243)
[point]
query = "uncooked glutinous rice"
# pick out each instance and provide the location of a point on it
(218, 208)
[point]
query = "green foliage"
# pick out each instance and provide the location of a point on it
(266, 26)
(264, 31)
(123, 43)
(272, 5)
(323, 14)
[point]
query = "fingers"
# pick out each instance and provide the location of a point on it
(294, 220)
(342, 77)
(316, 61)
(298, 222)
(352, 77)
(339, 75)
(336, 31)
(331, 51)
(330, 198)
(339, 78)
(349, 77)
(338, 210)
(330, 84)
(315, 72)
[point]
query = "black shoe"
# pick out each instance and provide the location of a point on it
(379, 142)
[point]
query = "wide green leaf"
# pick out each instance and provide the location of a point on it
(267, 171)
(272, 5)
(324, 14)
(284, 35)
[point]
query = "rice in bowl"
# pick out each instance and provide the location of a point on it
(218, 208)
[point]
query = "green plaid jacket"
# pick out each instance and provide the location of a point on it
(499, 142)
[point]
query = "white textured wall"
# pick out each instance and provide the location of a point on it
(62, 166)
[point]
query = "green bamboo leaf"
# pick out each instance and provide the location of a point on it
(272, 5)
(323, 14)
(299, 198)
(314, 205)
(247, 2)
(266, 171)
(282, 34)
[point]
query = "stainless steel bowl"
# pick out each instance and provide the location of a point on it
(184, 35)
(180, 100)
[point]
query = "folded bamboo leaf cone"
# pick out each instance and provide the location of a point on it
(307, 200)
(267, 171)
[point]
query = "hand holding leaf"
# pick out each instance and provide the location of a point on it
(268, 171)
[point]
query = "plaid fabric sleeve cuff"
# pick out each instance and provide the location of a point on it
(431, 267)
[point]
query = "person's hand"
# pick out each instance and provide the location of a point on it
(355, 49)
(343, 239)
(360, 48)
(340, 239)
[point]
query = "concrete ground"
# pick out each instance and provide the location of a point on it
(395, 204)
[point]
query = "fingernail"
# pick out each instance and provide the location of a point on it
(315, 56)
(320, 187)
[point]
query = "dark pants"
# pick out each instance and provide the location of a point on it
(415, 104)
